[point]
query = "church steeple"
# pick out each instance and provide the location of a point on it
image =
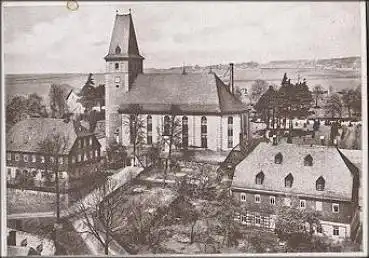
(123, 64)
(123, 43)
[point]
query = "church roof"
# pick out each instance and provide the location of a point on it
(192, 93)
(123, 42)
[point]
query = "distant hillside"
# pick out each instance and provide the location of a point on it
(332, 63)
(337, 73)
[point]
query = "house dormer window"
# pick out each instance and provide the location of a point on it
(288, 180)
(278, 158)
(259, 180)
(308, 160)
(320, 184)
(118, 50)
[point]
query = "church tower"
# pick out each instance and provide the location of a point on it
(123, 64)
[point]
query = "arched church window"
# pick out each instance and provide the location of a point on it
(166, 126)
(230, 132)
(204, 132)
(149, 130)
(185, 132)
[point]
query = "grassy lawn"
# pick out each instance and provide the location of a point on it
(19, 201)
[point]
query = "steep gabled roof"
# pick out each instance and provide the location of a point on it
(327, 162)
(195, 93)
(26, 135)
(124, 38)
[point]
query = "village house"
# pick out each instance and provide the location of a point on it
(316, 178)
(28, 157)
(209, 114)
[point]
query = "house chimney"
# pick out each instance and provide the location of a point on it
(275, 140)
(322, 141)
(231, 81)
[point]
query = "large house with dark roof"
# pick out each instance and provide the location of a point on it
(210, 115)
(313, 178)
(36, 146)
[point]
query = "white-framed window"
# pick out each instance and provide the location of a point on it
(243, 197)
(33, 158)
(272, 200)
(42, 159)
(257, 220)
(257, 198)
(85, 156)
(91, 154)
(302, 204)
(17, 157)
(61, 161)
(336, 231)
(335, 208)
(243, 219)
(96, 153)
(25, 157)
(90, 139)
(318, 206)
(8, 156)
(79, 159)
(287, 202)
(117, 79)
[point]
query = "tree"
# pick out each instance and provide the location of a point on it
(334, 106)
(296, 226)
(98, 213)
(54, 146)
(317, 93)
(58, 103)
(136, 124)
(171, 136)
(88, 93)
(229, 209)
(356, 101)
(258, 88)
(267, 102)
(21, 107)
(293, 100)
(348, 99)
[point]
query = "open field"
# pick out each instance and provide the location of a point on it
(23, 84)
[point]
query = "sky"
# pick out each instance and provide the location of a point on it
(49, 38)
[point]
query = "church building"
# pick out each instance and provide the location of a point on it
(210, 116)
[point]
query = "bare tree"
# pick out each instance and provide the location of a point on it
(136, 124)
(172, 137)
(97, 214)
(58, 103)
(258, 88)
(317, 93)
(54, 147)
